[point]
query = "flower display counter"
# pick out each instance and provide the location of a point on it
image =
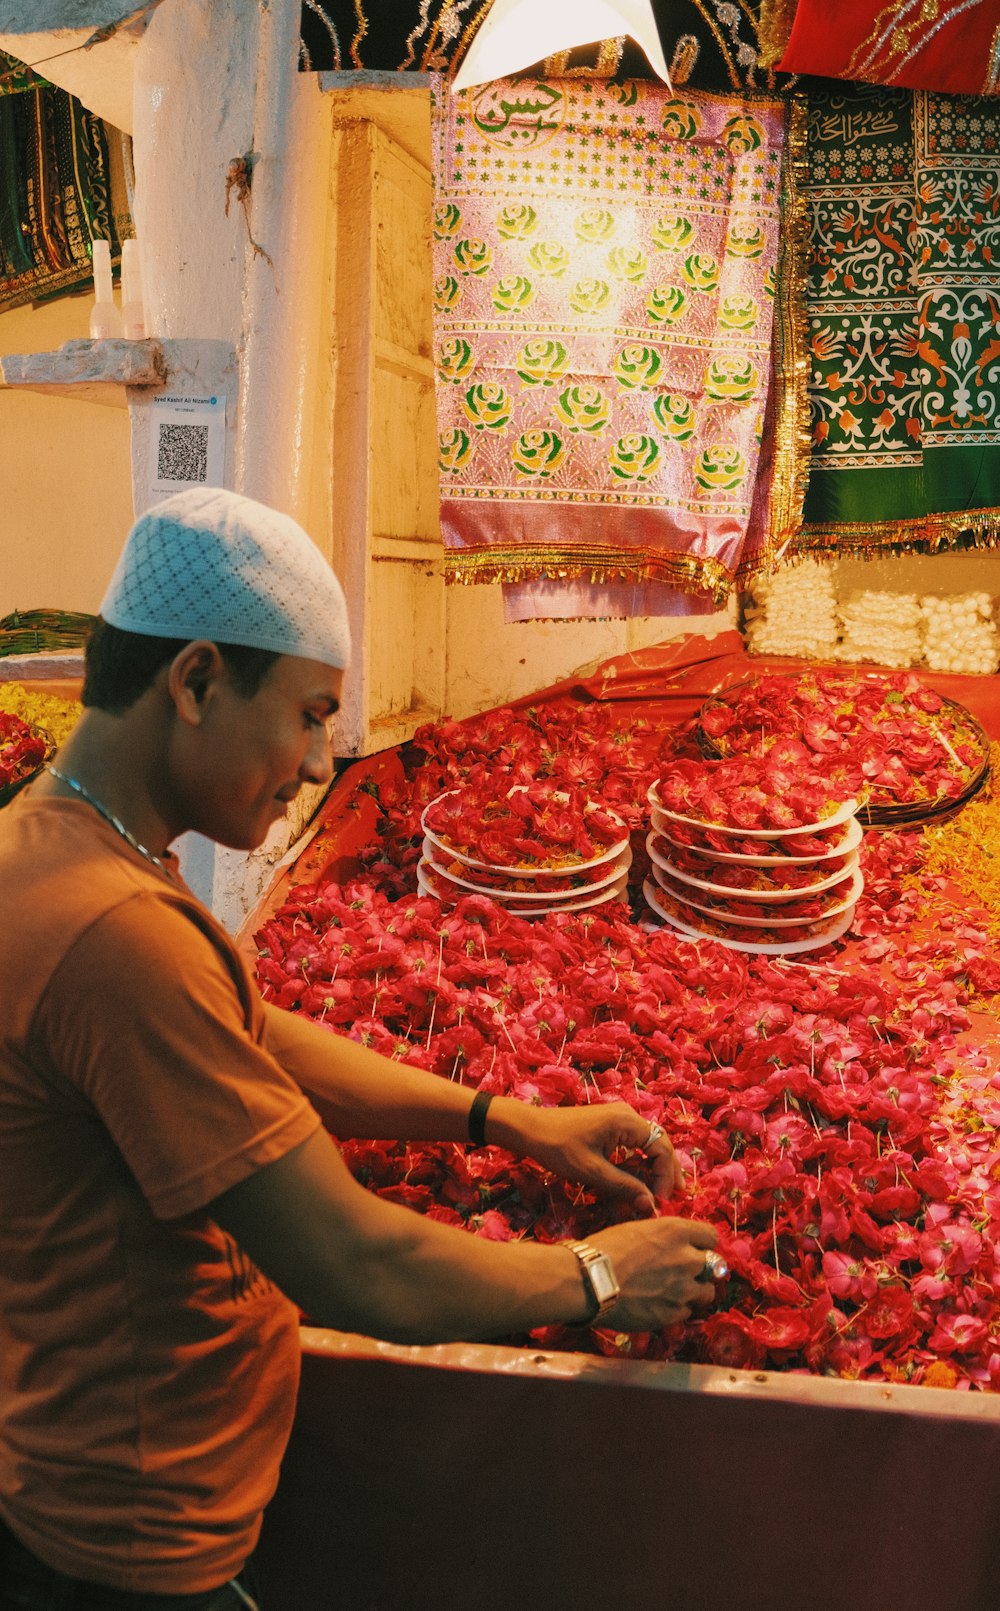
(435, 1479)
(830, 1433)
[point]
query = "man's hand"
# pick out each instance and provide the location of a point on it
(579, 1143)
(661, 1271)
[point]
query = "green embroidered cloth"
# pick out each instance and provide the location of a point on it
(61, 185)
(903, 305)
(605, 268)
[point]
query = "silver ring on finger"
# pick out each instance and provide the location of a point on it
(656, 1133)
(716, 1268)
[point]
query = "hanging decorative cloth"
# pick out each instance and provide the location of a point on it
(950, 46)
(60, 187)
(16, 76)
(605, 273)
(903, 305)
(708, 44)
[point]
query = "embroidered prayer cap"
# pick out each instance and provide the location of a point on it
(208, 563)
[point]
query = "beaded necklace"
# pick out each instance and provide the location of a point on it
(108, 816)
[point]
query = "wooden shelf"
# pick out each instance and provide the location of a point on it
(96, 371)
(118, 372)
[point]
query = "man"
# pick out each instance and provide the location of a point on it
(160, 1166)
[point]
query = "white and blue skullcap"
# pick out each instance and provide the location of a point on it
(207, 563)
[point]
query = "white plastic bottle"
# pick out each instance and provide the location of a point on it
(133, 315)
(105, 319)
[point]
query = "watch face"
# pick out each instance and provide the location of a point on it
(603, 1279)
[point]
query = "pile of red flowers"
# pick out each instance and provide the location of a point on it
(530, 825)
(774, 791)
(837, 1119)
(22, 751)
(881, 735)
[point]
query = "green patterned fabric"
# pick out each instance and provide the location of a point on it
(58, 191)
(903, 305)
(15, 76)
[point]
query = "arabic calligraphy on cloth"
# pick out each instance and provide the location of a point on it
(950, 46)
(605, 267)
(903, 303)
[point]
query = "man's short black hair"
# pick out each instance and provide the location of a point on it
(121, 665)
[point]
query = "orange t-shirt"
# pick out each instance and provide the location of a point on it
(148, 1369)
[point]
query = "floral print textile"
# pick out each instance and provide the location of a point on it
(605, 263)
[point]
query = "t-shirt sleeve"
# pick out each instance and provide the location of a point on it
(152, 1018)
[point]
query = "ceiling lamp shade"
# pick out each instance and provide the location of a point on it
(518, 33)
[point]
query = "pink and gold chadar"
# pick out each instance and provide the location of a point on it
(606, 262)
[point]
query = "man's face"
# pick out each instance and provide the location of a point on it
(254, 755)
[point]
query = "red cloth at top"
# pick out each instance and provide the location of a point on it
(946, 45)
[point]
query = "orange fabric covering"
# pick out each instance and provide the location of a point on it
(147, 1369)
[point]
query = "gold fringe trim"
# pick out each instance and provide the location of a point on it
(992, 84)
(774, 30)
(526, 563)
(792, 441)
(930, 534)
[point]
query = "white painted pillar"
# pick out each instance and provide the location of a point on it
(216, 81)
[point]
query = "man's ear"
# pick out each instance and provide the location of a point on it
(191, 678)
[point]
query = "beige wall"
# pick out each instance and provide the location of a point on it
(65, 476)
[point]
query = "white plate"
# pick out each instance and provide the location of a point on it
(614, 871)
(842, 814)
(557, 870)
(851, 840)
(814, 943)
(615, 891)
(731, 894)
(753, 919)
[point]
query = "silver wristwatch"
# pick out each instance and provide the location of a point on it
(599, 1278)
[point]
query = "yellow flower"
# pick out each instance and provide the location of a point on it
(473, 257)
(447, 219)
(456, 359)
(454, 450)
(446, 292)
(637, 367)
(634, 457)
(742, 134)
(541, 362)
(721, 468)
(672, 232)
(589, 296)
(628, 263)
(674, 415)
(701, 271)
(731, 378)
(538, 453)
(738, 312)
(681, 120)
(583, 408)
(52, 715)
(666, 303)
(745, 244)
(516, 221)
(488, 406)
(549, 257)
(511, 292)
(595, 224)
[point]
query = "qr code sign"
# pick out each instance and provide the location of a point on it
(182, 453)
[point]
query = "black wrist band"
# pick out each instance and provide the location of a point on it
(477, 1117)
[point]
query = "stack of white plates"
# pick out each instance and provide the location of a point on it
(776, 892)
(562, 885)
